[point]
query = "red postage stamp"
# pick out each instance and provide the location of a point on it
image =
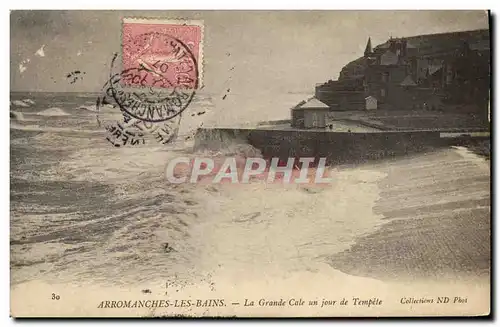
(162, 53)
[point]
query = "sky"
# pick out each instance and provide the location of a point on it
(251, 52)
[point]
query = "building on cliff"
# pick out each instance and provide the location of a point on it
(449, 71)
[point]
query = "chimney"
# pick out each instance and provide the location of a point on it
(392, 45)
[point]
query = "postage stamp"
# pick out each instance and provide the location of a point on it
(161, 69)
(170, 51)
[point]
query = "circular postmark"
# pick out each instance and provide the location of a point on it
(125, 129)
(157, 83)
(159, 78)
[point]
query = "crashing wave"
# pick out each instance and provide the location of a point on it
(104, 108)
(224, 142)
(16, 115)
(25, 127)
(38, 128)
(53, 112)
(29, 101)
(91, 108)
(20, 103)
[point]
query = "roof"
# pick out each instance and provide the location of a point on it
(408, 81)
(313, 103)
(389, 58)
(434, 68)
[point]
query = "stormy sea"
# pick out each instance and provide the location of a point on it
(84, 210)
(82, 207)
(85, 213)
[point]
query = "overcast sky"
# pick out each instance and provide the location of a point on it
(270, 51)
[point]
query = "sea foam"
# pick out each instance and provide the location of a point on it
(54, 111)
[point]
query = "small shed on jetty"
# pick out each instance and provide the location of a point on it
(371, 103)
(310, 114)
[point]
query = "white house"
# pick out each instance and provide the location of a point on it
(315, 113)
(370, 103)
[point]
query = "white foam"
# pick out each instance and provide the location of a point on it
(88, 108)
(20, 103)
(107, 108)
(54, 111)
(472, 157)
(123, 165)
(17, 115)
(38, 128)
(28, 101)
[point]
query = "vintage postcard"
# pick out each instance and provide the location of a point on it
(250, 163)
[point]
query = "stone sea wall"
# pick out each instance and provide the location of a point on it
(337, 147)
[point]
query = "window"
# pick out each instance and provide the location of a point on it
(314, 119)
(382, 92)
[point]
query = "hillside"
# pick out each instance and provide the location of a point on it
(431, 45)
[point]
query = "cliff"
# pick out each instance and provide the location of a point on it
(429, 46)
